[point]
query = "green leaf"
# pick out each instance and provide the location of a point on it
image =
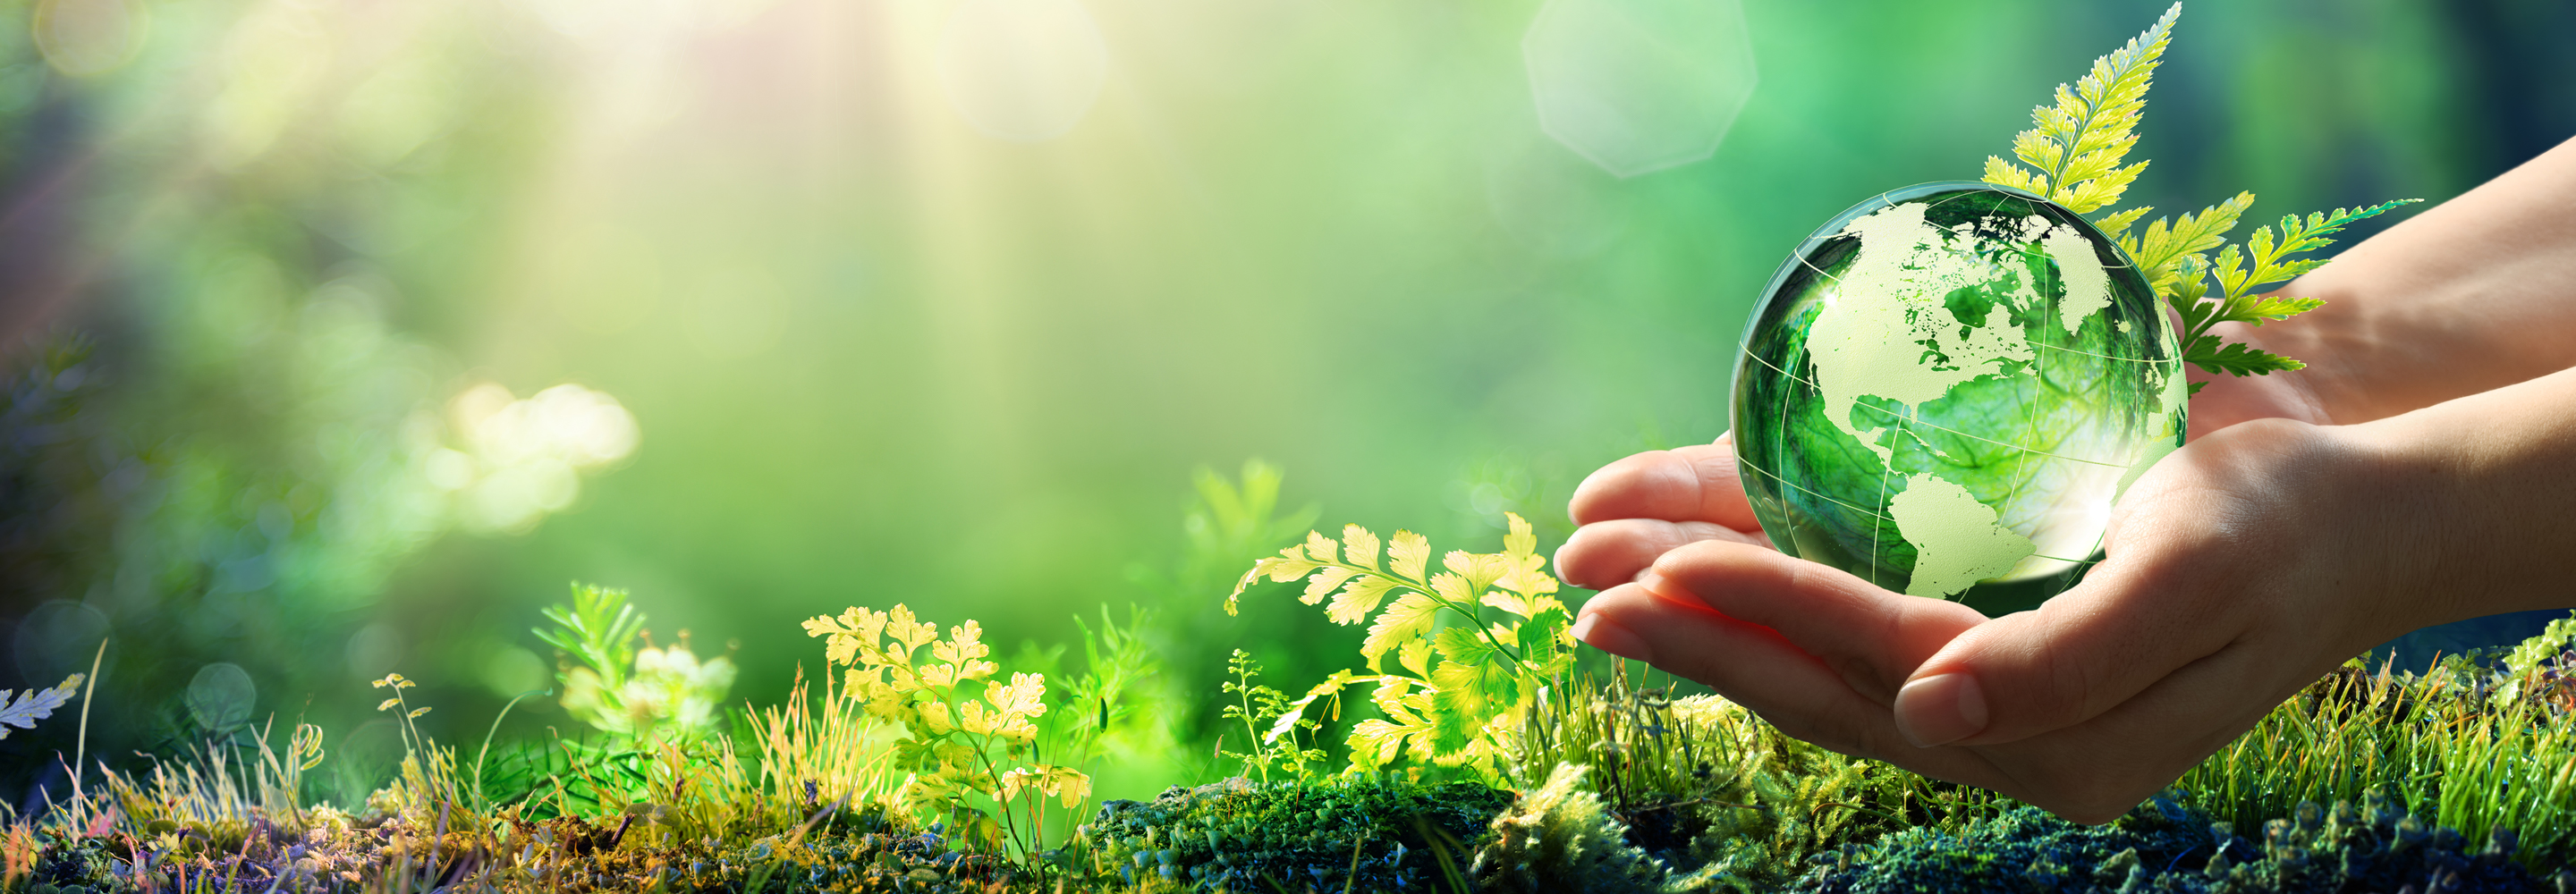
(1359, 547)
(1354, 603)
(1408, 619)
(2076, 145)
(2296, 238)
(1331, 687)
(1325, 581)
(2230, 269)
(2157, 248)
(1460, 704)
(1415, 655)
(1408, 553)
(1462, 645)
(2236, 358)
(2276, 307)
(1375, 743)
(1544, 633)
(2003, 173)
(2117, 224)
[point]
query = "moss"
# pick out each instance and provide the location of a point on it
(2167, 846)
(1366, 834)
(1560, 839)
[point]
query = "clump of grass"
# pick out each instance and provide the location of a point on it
(1558, 839)
(1705, 785)
(2475, 748)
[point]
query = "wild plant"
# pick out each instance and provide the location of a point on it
(1701, 781)
(428, 784)
(1257, 706)
(1229, 523)
(1123, 702)
(1468, 709)
(217, 797)
(625, 691)
(1558, 838)
(814, 755)
(2443, 743)
(965, 731)
(2073, 153)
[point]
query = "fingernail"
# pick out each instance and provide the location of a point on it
(1941, 709)
(1657, 583)
(1608, 636)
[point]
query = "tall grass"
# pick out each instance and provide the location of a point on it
(2443, 743)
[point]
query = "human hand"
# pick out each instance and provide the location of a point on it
(2240, 569)
(2226, 400)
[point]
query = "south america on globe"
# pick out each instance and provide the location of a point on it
(1945, 389)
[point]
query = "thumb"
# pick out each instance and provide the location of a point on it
(2078, 655)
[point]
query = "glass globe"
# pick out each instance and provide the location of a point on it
(1946, 388)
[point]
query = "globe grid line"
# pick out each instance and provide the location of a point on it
(1783, 448)
(2039, 379)
(1879, 522)
(1811, 265)
(1774, 476)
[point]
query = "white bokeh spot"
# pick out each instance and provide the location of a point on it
(523, 459)
(1639, 85)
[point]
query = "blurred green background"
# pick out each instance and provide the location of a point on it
(941, 302)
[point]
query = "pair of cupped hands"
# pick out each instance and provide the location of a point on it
(2215, 602)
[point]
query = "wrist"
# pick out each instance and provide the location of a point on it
(2401, 476)
(2480, 485)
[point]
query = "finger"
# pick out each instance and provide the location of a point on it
(1753, 666)
(2077, 656)
(1873, 638)
(1605, 554)
(2092, 772)
(1689, 484)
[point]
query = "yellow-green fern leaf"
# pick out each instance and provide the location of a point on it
(2003, 173)
(2116, 224)
(2075, 146)
(1408, 619)
(2161, 246)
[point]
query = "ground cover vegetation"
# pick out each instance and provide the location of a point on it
(912, 762)
(1486, 755)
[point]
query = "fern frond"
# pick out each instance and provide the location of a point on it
(2158, 248)
(2236, 358)
(2003, 173)
(2242, 271)
(2101, 191)
(2075, 146)
(2276, 307)
(2297, 237)
(2116, 225)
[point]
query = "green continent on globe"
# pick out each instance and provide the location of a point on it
(1946, 388)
